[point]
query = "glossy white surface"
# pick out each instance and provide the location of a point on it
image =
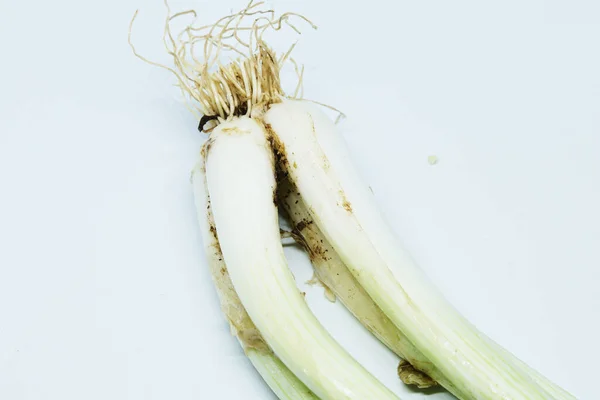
(103, 287)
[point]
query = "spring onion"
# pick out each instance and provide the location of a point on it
(256, 129)
(241, 183)
(315, 157)
(277, 376)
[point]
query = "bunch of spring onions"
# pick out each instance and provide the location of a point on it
(268, 151)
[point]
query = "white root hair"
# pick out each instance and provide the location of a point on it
(245, 86)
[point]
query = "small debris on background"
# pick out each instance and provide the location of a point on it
(432, 160)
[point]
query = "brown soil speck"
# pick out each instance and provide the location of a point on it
(277, 146)
(303, 224)
(234, 130)
(347, 206)
(345, 203)
(318, 251)
(217, 245)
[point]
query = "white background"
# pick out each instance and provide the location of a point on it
(104, 291)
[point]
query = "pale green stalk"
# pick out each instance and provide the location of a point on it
(241, 185)
(315, 157)
(278, 377)
(334, 275)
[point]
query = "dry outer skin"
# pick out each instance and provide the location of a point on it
(328, 293)
(239, 320)
(412, 376)
(334, 274)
